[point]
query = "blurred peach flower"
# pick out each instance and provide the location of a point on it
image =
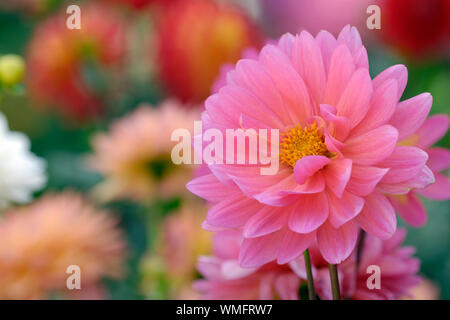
(181, 242)
(135, 156)
(70, 69)
(195, 37)
(425, 290)
(40, 241)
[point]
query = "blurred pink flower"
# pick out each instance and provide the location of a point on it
(40, 241)
(225, 279)
(339, 140)
(59, 60)
(183, 240)
(180, 242)
(408, 204)
(135, 156)
(294, 16)
(398, 270)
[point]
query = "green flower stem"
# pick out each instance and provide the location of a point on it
(311, 291)
(334, 278)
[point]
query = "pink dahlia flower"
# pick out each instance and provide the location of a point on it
(338, 141)
(409, 205)
(398, 270)
(225, 279)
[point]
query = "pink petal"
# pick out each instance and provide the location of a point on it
(395, 241)
(327, 44)
(397, 72)
(286, 43)
(336, 245)
(378, 216)
(308, 166)
(231, 269)
(266, 287)
(422, 180)
(355, 101)
(314, 184)
(404, 163)
(344, 209)
(350, 37)
(309, 213)
(256, 252)
(227, 244)
(360, 58)
(340, 125)
(371, 147)
(434, 128)
(410, 114)
(209, 267)
(239, 101)
(206, 226)
(298, 266)
(232, 212)
(340, 73)
(363, 180)
(218, 114)
(337, 174)
(308, 61)
(254, 77)
(439, 190)
(266, 220)
(382, 107)
(288, 82)
(209, 188)
(333, 144)
(293, 245)
(286, 286)
(439, 159)
(410, 209)
(251, 182)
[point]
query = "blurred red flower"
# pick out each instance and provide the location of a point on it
(195, 37)
(416, 27)
(69, 68)
(138, 4)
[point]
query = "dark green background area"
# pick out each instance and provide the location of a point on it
(64, 146)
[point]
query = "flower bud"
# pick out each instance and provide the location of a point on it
(12, 69)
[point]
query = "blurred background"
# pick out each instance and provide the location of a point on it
(98, 105)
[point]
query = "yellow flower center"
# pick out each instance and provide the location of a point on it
(300, 142)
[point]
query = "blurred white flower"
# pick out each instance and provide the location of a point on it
(21, 172)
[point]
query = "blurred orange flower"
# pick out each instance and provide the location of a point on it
(40, 241)
(69, 68)
(135, 156)
(195, 37)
